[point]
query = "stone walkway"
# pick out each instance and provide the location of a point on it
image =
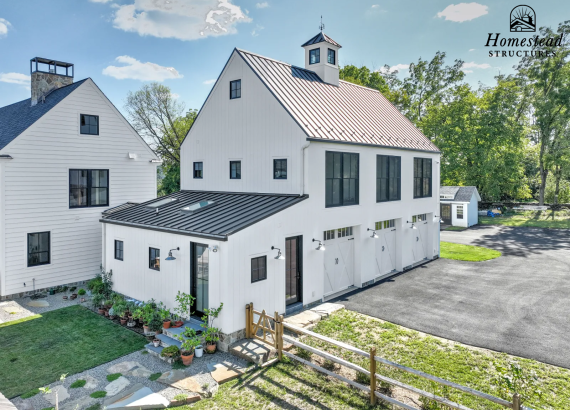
(24, 307)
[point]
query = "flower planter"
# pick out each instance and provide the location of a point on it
(178, 323)
(101, 311)
(73, 296)
(65, 298)
(156, 342)
(106, 312)
(123, 321)
(131, 324)
(211, 349)
(112, 317)
(146, 329)
(187, 359)
(199, 351)
(166, 324)
(82, 300)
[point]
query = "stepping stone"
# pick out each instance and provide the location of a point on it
(188, 384)
(90, 382)
(62, 395)
(303, 319)
(78, 404)
(172, 376)
(253, 351)
(137, 397)
(116, 386)
(326, 309)
(139, 371)
(12, 309)
(26, 405)
(123, 367)
(225, 371)
(38, 303)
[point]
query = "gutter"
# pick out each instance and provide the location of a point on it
(303, 149)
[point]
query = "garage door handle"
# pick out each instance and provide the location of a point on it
(425, 222)
(393, 229)
(351, 239)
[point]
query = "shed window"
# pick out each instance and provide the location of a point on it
(154, 258)
(422, 177)
(459, 211)
(38, 248)
(198, 170)
(331, 56)
(235, 89)
(235, 169)
(258, 269)
(279, 169)
(341, 183)
(315, 56)
(388, 182)
(89, 124)
(88, 187)
(119, 250)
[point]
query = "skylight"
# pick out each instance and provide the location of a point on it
(160, 203)
(197, 207)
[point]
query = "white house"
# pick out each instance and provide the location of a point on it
(295, 186)
(459, 205)
(66, 155)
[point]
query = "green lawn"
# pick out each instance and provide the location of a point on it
(38, 350)
(535, 219)
(455, 228)
(469, 253)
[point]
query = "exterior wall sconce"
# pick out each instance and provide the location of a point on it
(413, 225)
(214, 248)
(440, 220)
(132, 155)
(374, 234)
(279, 254)
(321, 246)
(170, 257)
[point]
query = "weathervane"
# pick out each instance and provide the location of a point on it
(322, 26)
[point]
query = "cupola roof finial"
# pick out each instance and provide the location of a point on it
(322, 26)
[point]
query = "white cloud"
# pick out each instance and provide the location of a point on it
(100, 1)
(374, 9)
(208, 82)
(16, 78)
(471, 49)
(263, 5)
(463, 12)
(467, 71)
(256, 30)
(181, 19)
(375, 6)
(397, 67)
(473, 64)
(135, 70)
(4, 27)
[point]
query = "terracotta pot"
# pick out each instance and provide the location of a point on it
(73, 296)
(123, 321)
(187, 360)
(178, 323)
(106, 312)
(211, 348)
(166, 324)
(101, 311)
(65, 298)
(82, 300)
(146, 328)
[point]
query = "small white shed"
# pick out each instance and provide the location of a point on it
(459, 205)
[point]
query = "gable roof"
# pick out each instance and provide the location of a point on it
(18, 117)
(319, 38)
(460, 193)
(348, 113)
(230, 213)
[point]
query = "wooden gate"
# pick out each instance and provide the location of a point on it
(261, 326)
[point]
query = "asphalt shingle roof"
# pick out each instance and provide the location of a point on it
(461, 193)
(319, 38)
(348, 113)
(230, 213)
(16, 118)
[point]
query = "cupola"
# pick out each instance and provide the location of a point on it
(321, 56)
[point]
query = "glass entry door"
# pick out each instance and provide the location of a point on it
(446, 213)
(199, 277)
(293, 270)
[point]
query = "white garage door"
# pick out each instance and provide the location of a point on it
(385, 247)
(339, 260)
(420, 238)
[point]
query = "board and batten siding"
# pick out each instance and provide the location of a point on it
(35, 189)
(254, 129)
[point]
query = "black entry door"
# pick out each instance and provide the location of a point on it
(200, 277)
(446, 213)
(293, 269)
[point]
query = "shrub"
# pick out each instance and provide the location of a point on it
(170, 351)
(98, 394)
(113, 377)
(29, 394)
(81, 292)
(78, 383)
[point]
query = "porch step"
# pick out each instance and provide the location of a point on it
(176, 331)
(155, 351)
(254, 351)
(166, 341)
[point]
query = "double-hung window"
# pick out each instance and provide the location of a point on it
(388, 181)
(89, 124)
(235, 89)
(341, 173)
(315, 56)
(459, 212)
(118, 250)
(198, 170)
(280, 169)
(235, 169)
(331, 57)
(422, 177)
(88, 187)
(38, 248)
(154, 258)
(258, 269)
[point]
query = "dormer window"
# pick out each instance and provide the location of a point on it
(235, 89)
(315, 56)
(331, 57)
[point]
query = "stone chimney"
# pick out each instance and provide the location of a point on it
(48, 75)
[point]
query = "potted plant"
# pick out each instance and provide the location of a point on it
(211, 333)
(164, 315)
(111, 313)
(155, 323)
(97, 301)
(189, 341)
(156, 342)
(184, 309)
(199, 351)
(170, 352)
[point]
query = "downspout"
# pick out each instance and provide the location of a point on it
(303, 148)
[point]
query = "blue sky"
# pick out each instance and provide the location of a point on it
(185, 43)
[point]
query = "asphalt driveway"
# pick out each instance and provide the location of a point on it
(518, 303)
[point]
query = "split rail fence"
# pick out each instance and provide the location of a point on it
(271, 330)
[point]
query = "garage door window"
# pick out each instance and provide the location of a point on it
(385, 224)
(459, 211)
(419, 218)
(328, 235)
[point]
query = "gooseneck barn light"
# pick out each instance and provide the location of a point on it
(413, 225)
(279, 255)
(374, 234)
(170, 257)
(321, 246)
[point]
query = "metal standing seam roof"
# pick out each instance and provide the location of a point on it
(348, 113)
(18, 117)
(319, 38)
(461, 193)
(231, 213)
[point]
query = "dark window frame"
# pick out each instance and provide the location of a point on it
(235, 93)
(457, 214)
(88, 188)
(278, 167)
(389, 179)
(81, 116)
(119, 253)
(201, 170)
(258, 269)
(317, 52)
(423, 176)
(236, 173)
(332, 176)
(28, 253)
(329, 52)
(151, 259)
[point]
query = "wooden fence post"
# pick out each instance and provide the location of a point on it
(248, 321)
(516, 402)
(372, 376)
(280, 337)
(277, 336)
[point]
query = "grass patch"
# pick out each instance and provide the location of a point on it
(113, 377)
(455, 228)
(63, 341)
(469, 253)
(537, 219)
(78, 383)
(31, 393)
(96, 406)
(98, 394)
(456, 362)
(154, 376)
(15, 322)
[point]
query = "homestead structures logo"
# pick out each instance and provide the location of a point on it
(523, 19)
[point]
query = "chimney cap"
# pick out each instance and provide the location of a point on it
(52, 66)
